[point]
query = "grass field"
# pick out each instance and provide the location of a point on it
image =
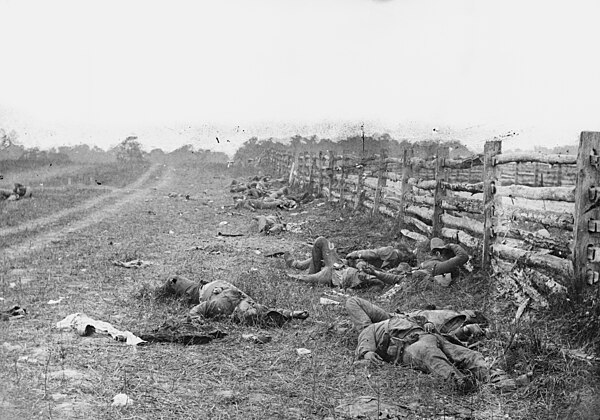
(47, 373)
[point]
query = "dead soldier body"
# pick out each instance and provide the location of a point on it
(326, 268)
(424, 340)
(222, 299)
(443, 266)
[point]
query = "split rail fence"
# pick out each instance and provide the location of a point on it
(541, 210)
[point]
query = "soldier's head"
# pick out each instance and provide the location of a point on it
(405, 254)
(440, 249)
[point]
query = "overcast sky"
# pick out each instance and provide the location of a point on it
(176, 72)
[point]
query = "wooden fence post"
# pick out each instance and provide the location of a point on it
(331, 170)
(342, 180)
(381, 183)
(490, 201)
(586, 240)
(359, 183)
(293, 167)
(559, 175)
(517, 165)
(440, 191)
(300, 170)
(320, 169)
(406, 174)
(536, 174)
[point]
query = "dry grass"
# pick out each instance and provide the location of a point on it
(231, 377)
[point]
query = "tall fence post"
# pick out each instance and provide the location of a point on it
(302, 170)
(331, 173)
(309, 166)
(359, 183)
(342, 180)
(490, 201)
(586, 240)
(406, 174)
(320, 170)
(381, 183)
(440, 191)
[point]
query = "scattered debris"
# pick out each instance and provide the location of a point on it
(183, 331)
(521, 309)
(13, 313)
(327, 301)
(121, 400)
(233, 235)
(56, 302)
(275, 254)
(257, 339)
(85, 326)
(132, 264)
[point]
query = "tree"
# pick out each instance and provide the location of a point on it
(130, 150)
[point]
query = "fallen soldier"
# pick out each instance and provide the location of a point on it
(416, 341)
(19, 191)
(222, 299)
(326, 268)
(384, 258)
(443, 266)
(269, 224)
(266, 204)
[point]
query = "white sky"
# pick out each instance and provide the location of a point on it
(175, 72)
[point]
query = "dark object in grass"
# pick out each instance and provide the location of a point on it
(257, 339)
(188, 331)
(229, 234)
(275, 254)
(12, 313)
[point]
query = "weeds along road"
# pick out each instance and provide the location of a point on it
(83, 215)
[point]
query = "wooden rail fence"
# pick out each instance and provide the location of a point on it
(541, 210)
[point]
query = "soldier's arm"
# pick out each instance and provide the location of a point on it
(366, 342)
(459, 259)
(388, 278)
(363, 254)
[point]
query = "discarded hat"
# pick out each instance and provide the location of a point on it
(436, 243)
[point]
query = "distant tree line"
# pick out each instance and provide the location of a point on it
(127, 151)
(254, 148)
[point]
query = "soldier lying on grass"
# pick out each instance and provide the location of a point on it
(443, 266)
(222, 299)
(19, 191)
(425, 340)
(325, 267)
